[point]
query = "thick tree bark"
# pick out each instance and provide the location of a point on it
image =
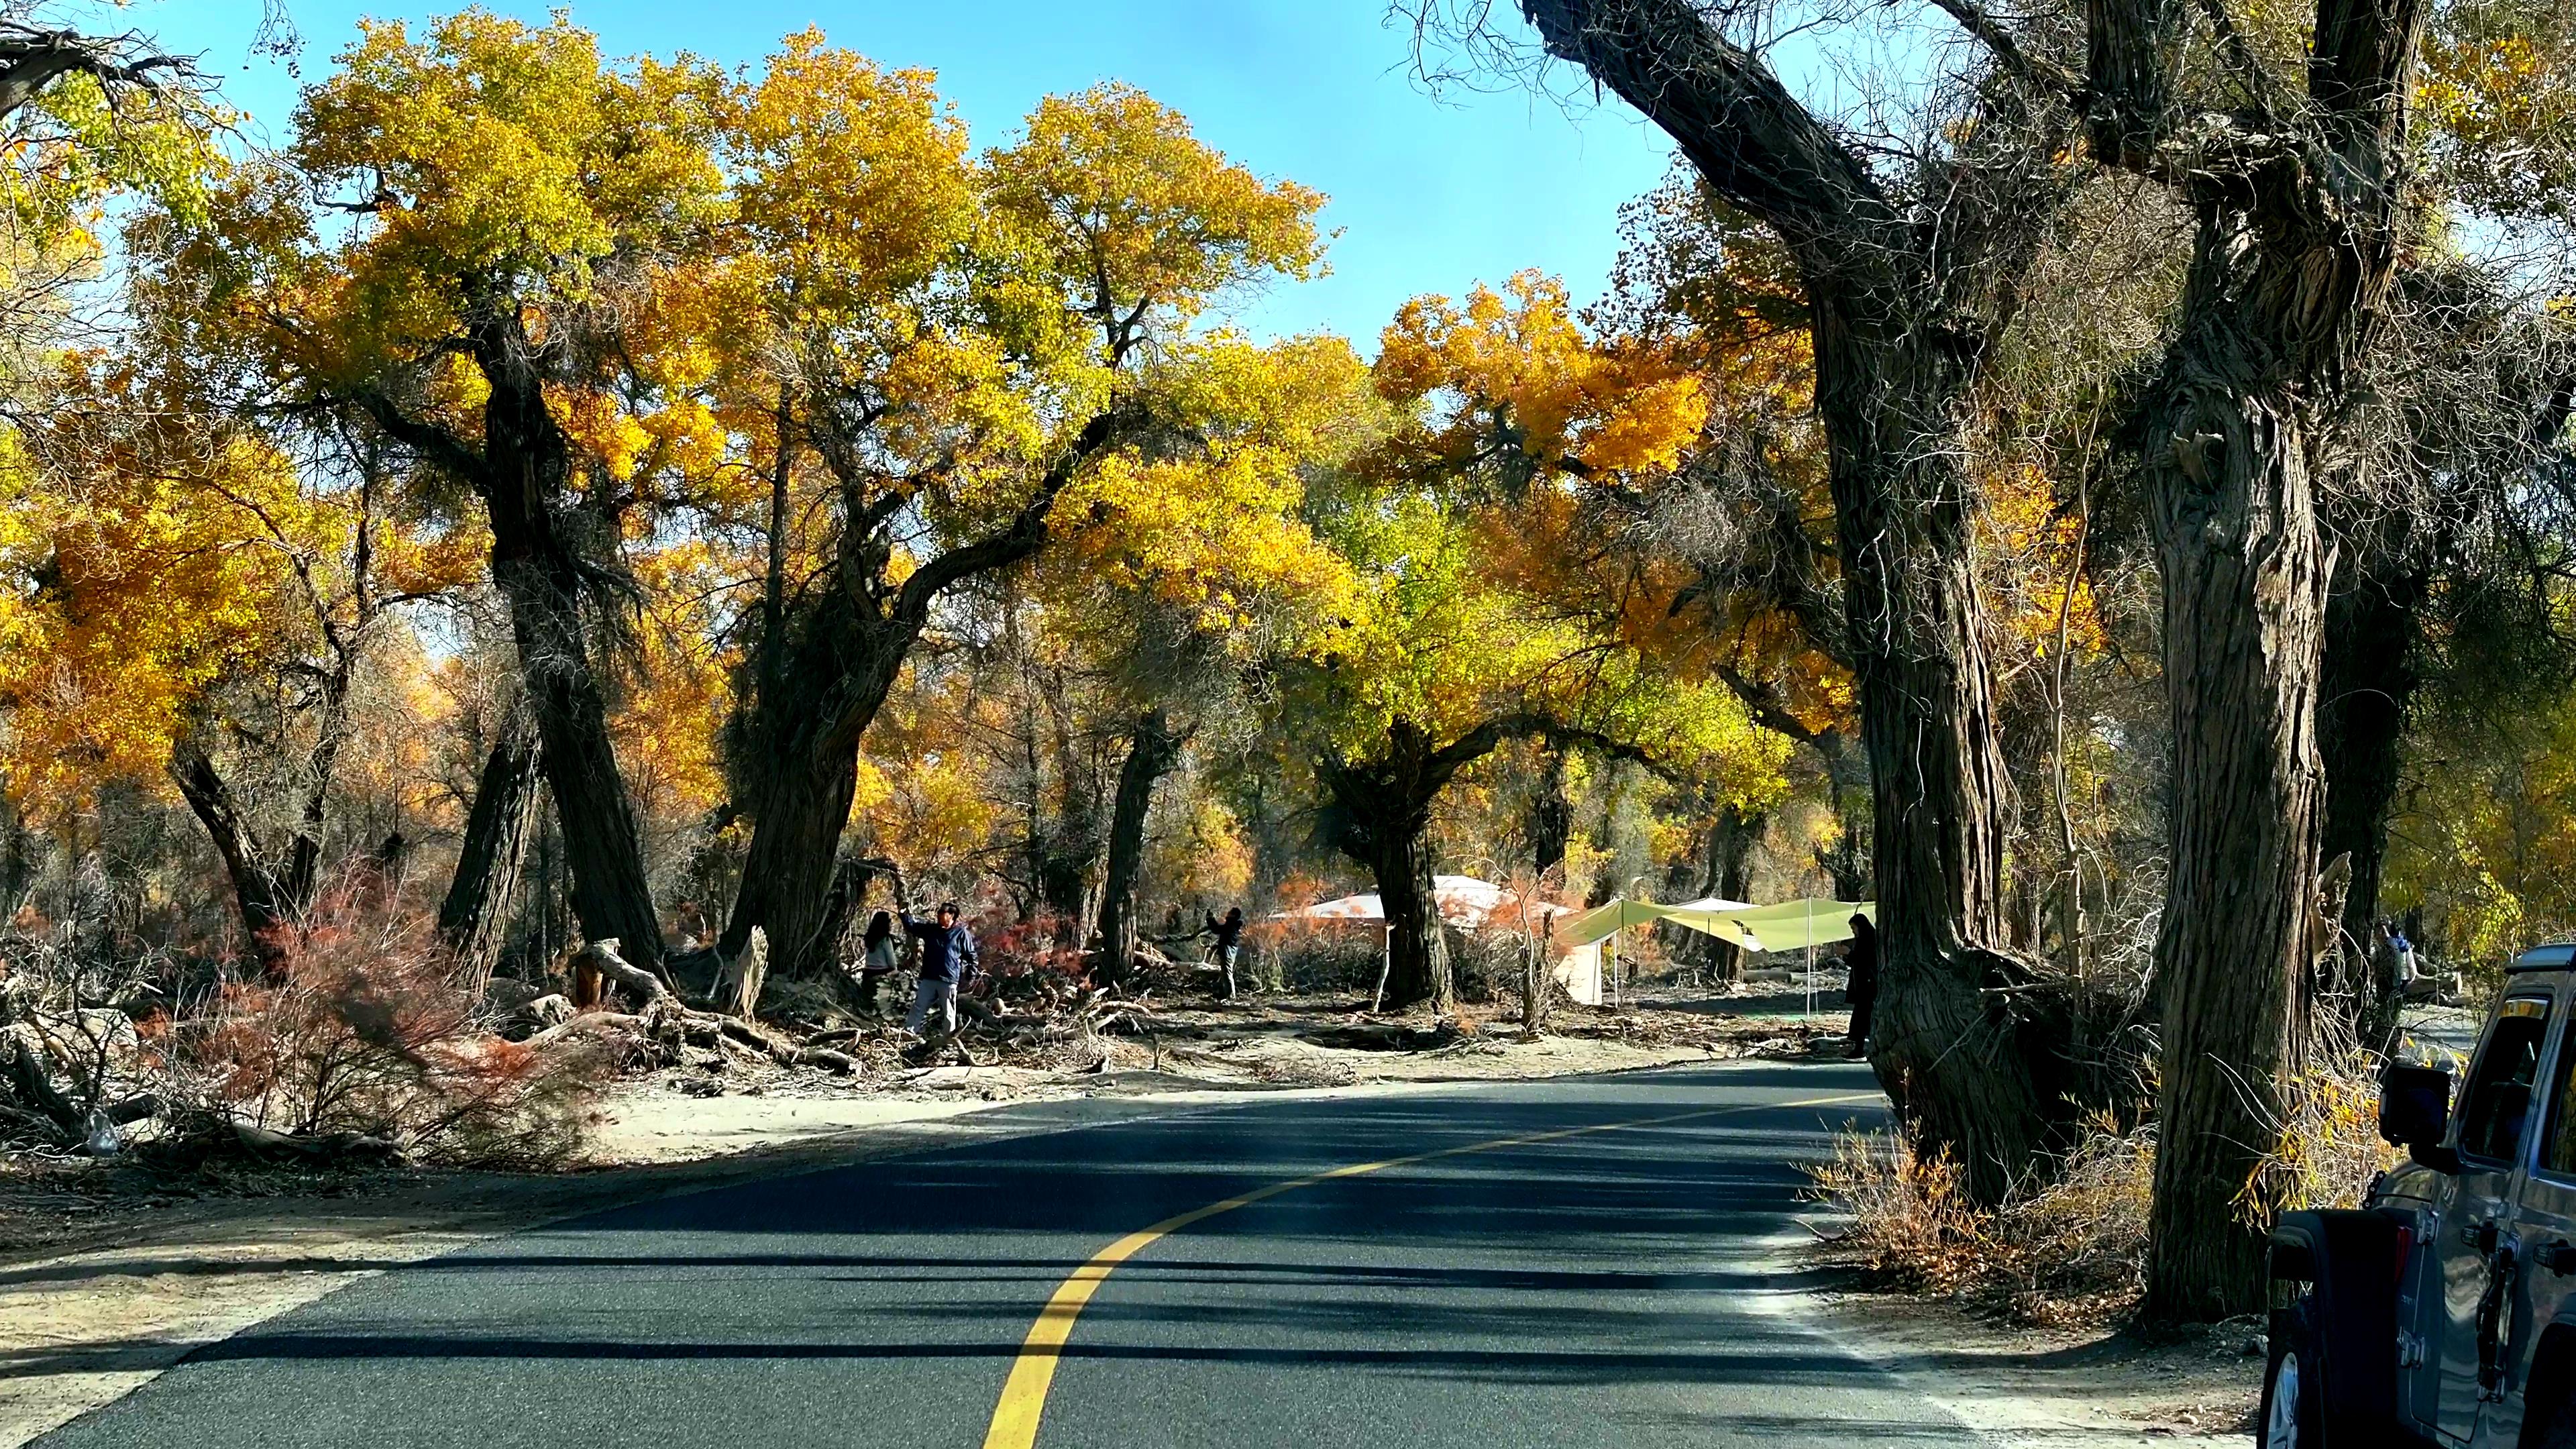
(476, 913)
(1902, 315)
(1728, 875)
(1417, 949)
(2245, 576)
(17, 860)
(1979, 1082)
(1153, 748)
(1381, 819)
(2295, 251)
(1551, 818)
(540, 572)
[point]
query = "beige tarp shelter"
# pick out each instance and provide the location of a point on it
(1789, 926)
(1799, 925)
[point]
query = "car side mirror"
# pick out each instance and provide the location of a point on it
(2415, 1110)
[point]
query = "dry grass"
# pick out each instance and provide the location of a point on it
(2071, 1253)
(2067, 1254)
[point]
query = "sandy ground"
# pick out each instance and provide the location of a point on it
(108, 1275)
(2057, 1389)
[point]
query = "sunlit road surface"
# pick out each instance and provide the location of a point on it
(1584, 1263)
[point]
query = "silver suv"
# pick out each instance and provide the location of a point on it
(2443, 1310)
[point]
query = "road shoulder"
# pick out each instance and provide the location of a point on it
(2039, 1388)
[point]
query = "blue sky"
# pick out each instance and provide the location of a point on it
(1430, 195)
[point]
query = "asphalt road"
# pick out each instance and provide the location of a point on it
(1486, 1267)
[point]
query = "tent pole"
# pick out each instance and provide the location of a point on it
(1385, 967)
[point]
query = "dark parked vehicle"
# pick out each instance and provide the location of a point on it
(2443, 1311)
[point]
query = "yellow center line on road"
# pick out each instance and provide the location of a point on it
(1024, 1394)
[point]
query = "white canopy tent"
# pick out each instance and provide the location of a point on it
(1464, 902)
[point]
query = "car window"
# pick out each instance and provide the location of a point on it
(2499, 1100)
(2558, 1147)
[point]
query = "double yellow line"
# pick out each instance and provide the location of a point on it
(1024, 1394)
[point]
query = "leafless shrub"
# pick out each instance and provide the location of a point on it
(365, 1038)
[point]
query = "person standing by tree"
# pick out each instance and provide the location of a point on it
(947, 959)
(1227, 938)
(880, 957)
(1861, 990)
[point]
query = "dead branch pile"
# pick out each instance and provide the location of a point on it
(1041, 1020)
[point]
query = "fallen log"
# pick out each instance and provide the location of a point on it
(593, 1023)
(601, 956)
(335, 1148)
(22, 1067)
(34, 1127)
(136, 1108)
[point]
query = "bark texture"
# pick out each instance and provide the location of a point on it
(1381, 818)
(476, 912)
(547, 559)
(269, 899)
(1551, 819)
(1728, 875)
(2295, 251)
(1905, 302)
(1153, 749)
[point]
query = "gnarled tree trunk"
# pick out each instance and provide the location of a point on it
(2373, 622)
(527, 466)
(824, 671)
(268, 913)
(476, 911)
(1381, 818)
(1728, 875)
(1153, 748)
(2245, 576)
(1979, 1081)
(547, 571)
(1906, 297)
(1551, 818)
(1417, 950)
(2295, 250)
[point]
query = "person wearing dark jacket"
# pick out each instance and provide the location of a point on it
(1862, 989)
(1228, 935)
(947, 959)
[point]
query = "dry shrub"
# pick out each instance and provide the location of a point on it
(2070, 1252)
(1322, 956)
(1036, 946)
(2073, 1251)
(369, 1032)
(2331, 1148)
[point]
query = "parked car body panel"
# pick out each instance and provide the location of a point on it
(2469, 1234)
